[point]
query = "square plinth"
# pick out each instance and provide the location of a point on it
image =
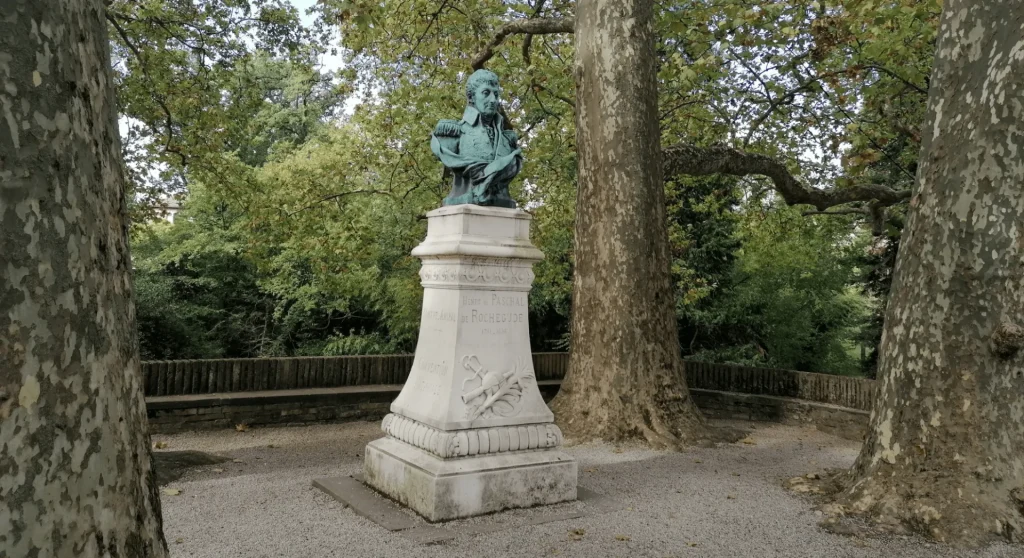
(443, 489)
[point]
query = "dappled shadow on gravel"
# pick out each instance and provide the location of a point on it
(726, 501)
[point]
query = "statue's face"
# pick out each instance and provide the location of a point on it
(485, 99)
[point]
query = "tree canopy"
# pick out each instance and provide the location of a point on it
(771, 115)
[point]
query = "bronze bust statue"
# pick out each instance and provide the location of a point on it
(483, 156)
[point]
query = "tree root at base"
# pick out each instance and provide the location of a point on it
(877, 506)
(659, 428)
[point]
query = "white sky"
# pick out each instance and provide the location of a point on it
(330, 62)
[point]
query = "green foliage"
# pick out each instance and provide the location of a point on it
(791, 299)
(209, 286)
(226, 101)
(702, 220)
(200, 78)
(197, 296)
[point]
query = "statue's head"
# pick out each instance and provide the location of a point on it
(482, 91)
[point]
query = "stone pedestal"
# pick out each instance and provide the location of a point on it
(469, 433)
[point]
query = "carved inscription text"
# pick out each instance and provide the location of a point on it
(496, 308)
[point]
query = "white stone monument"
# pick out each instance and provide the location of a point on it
(470, 433)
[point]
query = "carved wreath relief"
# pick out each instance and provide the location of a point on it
(491, 393)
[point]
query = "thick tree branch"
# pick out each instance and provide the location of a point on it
(852, 211)
(538, 8)
(533, 26)
(703, 161)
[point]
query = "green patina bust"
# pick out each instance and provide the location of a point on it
(482, 155)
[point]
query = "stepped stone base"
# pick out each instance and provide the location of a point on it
(470, 434)
(444, 489)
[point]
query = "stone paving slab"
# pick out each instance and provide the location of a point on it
(596, 502)
(428, 534)
(366, 503)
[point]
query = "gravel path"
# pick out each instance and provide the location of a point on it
(721, 502)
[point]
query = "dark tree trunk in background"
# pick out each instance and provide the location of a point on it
(625, 376)
(75, 474)
(945, 454)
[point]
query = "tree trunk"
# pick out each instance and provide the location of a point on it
(625, 377)
(945, 454)
(75, 473)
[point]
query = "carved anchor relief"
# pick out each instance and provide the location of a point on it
(490, 393)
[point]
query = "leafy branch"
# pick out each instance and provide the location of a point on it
(338, 196)
(168, 118)
(693, 160)
(719, 159)
(532, 26)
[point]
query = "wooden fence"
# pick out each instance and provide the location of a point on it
(190, 377)
(855, 393)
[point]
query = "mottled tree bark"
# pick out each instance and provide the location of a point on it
(945, 454)
(625, 372)
(75, 473)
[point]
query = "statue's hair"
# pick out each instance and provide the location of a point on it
(479, 78)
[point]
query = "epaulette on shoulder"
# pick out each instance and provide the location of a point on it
(448, 128)
(511, 136)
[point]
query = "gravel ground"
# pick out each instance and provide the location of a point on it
(721, 502)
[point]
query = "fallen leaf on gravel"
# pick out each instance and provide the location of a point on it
(242, 427)
(577, 534)
(218, 470)
(237, 461)
(171, 491)
(749, 441)
(621, 538)
(160, 445)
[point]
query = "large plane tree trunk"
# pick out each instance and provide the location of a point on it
(625, 376)
(75, 473)
(945, 453)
